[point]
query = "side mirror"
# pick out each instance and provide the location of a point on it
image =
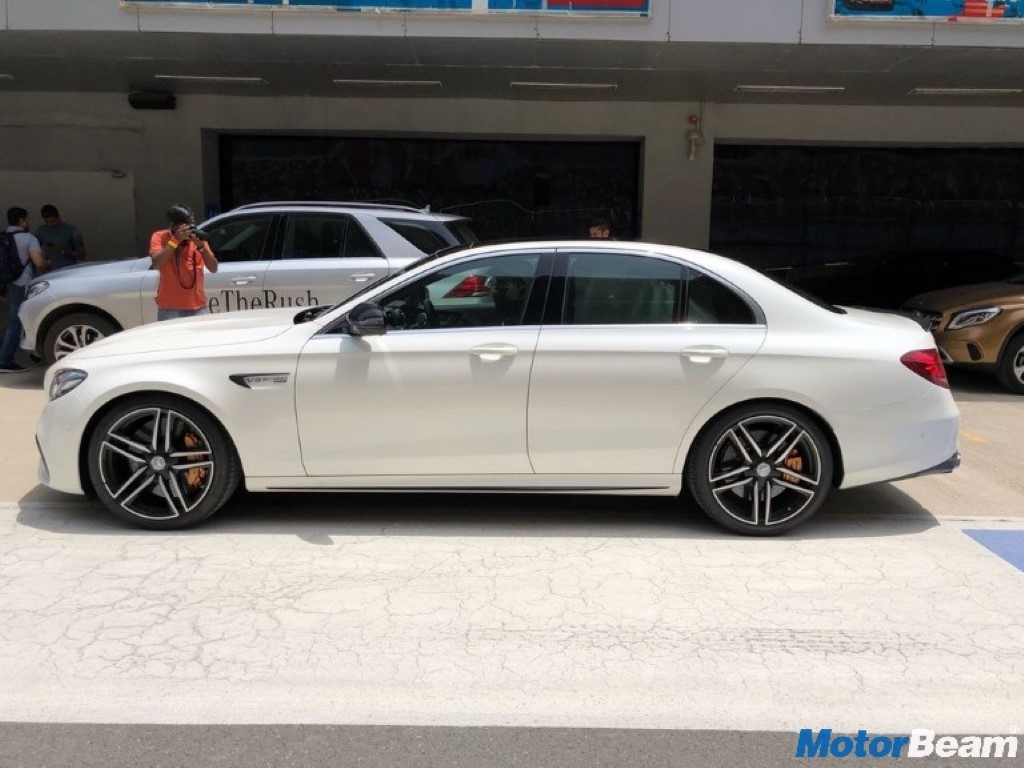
(366, 320)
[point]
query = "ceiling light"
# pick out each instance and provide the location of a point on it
(391, 83)
(965, 91)
(5, 76)
(789, 88)
(555, 86)
(213, 79)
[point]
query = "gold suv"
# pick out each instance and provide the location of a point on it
(981, 326)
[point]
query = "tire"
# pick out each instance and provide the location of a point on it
(73, 332)
(160, 462)
(1010, 369)
(760, 470)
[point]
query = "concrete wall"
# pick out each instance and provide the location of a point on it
(164, 150)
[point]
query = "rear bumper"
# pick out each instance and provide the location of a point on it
(942, 468)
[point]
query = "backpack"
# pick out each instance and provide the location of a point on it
(11, 265)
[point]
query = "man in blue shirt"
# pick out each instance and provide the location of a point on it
(31, 254)
(62, 243)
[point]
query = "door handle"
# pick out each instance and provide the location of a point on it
(490, 353)
(362, 277)
(243, 280)
(704, 354)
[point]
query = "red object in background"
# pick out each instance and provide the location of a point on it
(981, 9)
(622, 5)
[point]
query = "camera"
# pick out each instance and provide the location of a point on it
(199, 235)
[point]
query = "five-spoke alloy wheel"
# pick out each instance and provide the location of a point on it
(760, 469)
(160, 462)
(73, 332)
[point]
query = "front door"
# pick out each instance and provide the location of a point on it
(442, 392)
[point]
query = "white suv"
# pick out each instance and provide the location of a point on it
(281, 254)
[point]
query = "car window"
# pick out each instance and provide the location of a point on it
(421, 235)
(484, 292)
(621, 289)
(240, 239)
(312, 236)
(711, 302)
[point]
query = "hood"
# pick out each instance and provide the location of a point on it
(999, 293)
(90, 269)
(220, 330)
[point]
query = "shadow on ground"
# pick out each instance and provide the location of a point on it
(880, 510)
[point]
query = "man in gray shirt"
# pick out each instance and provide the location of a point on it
(31, 254)
(62, 242)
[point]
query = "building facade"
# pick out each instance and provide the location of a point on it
(775, 130)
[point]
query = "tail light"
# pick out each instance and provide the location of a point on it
(470, 288)
(928, 364)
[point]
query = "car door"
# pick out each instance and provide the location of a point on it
(324, 258)
(443, 391)
(630, 351)
(242, 245)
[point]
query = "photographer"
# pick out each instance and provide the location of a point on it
(182, 255)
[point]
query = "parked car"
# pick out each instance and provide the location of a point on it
(979, 326)
(570, 367)
(270, 254)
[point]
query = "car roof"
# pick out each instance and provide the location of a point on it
(382, 209)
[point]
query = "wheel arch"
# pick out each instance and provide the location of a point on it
(837, 454)
(70, 309)
(90, 427)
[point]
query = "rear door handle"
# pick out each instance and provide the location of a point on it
(704, 354)
(243, 279)
(362, 277)
(490, 353)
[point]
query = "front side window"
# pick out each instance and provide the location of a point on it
(241, 239)
(481, 293)
(621, 289)
(313, 236)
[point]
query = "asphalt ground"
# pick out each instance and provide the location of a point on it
(353, 629)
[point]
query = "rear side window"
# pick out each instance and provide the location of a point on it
(240, 239)
(621, 289)
(430, 236)
(311, 236)
(710, 302)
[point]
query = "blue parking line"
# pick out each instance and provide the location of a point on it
(1009, 545)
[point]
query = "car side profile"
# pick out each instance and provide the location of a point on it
(270, 254)
(978, 326)
(552, 367)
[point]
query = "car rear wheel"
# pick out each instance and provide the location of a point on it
(162, 463)
(73, 332)
(760, 469)
(1011, 365)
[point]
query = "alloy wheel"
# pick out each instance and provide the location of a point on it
(765, 470)
(156, 463)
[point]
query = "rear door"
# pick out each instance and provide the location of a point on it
(322, 258)
(632, 348)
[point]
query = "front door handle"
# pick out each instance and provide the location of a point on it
(362, 277)
(243, 279)
(704, 354)
(490, 353)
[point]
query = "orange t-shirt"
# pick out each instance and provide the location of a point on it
(181, 276)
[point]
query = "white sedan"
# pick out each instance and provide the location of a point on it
(561, 367)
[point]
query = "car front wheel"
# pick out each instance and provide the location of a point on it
(162, 463)
(73, 332)
(1011, 365)
(760, 469)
